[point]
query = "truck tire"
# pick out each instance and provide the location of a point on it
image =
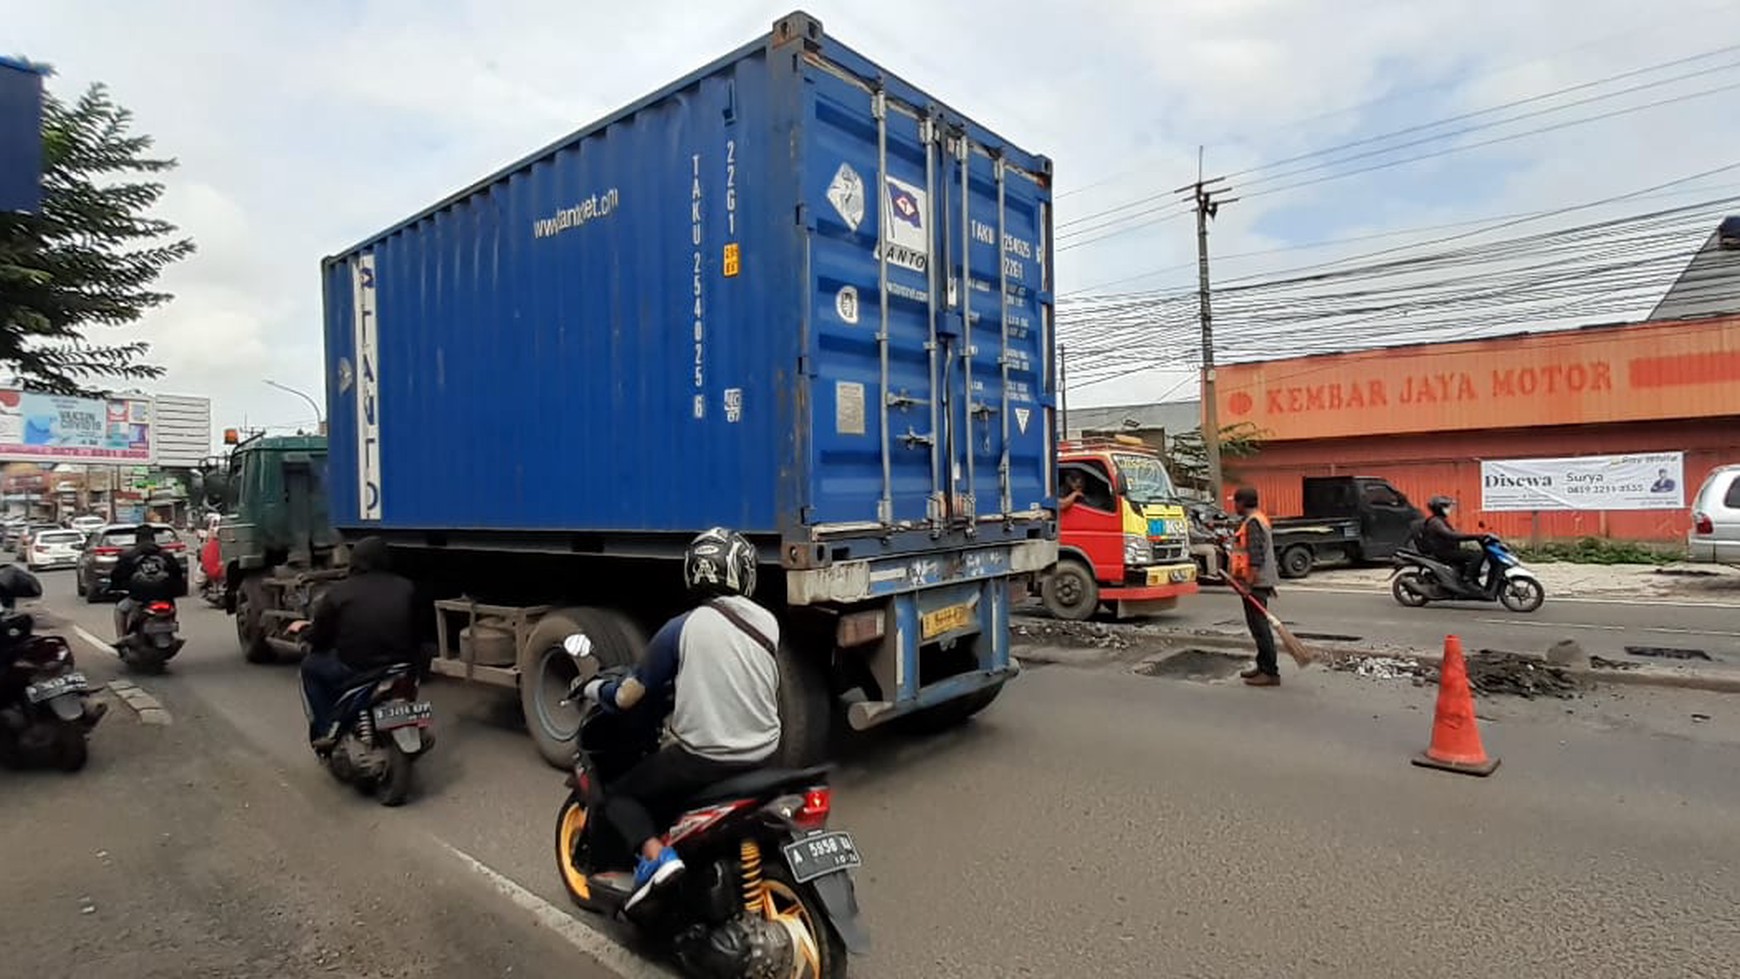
(250, 628)
(1070, 592)
(546, 670)
(806, 709)
(1296, 561)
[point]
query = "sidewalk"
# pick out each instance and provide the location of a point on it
(1711, 583)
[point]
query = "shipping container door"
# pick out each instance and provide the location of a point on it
(928, 400)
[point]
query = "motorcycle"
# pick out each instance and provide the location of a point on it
(382, 730)
(769, 890)
(1419, 579)
(211, 578)
(46, 713)
(151, 642)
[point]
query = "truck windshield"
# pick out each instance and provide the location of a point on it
(1147, 479)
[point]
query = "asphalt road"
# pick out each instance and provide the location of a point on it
(183, 851)
(1093, 822)
(1603, 628)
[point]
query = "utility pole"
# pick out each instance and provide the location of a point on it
(1203, 197)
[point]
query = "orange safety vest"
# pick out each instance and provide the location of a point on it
(1241, 553)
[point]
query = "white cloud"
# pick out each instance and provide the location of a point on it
(302, 127)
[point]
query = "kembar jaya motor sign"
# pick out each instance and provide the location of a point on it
(1641, 481)
(1589, 376)
(45, 426)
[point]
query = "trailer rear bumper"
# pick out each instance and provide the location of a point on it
(866, 714)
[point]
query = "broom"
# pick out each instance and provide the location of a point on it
(1296, 649)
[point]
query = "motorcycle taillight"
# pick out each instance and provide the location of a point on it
(160, 608)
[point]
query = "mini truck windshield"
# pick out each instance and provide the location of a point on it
(1147, 479)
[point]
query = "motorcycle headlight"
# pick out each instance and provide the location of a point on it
(1138, 550)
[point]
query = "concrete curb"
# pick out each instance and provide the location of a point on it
(150, 710)
(1171, 643)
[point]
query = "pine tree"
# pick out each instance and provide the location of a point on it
(92, 257)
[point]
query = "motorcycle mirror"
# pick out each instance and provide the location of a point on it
(577, 646)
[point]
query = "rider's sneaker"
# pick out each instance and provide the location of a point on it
(650, 875)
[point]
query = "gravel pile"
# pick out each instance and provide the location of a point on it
(1493, 672)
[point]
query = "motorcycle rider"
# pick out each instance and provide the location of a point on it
(1441, 541)
(720, 658)
(144, 574)
(364, 622)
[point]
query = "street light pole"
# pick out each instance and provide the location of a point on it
(319, 416)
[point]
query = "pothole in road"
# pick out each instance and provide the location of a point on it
(1668, 652)
(1328, 636)
(1192, 664)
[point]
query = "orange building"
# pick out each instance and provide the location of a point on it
(1425, 416)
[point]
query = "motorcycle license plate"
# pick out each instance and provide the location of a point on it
(389, 716)
(821, 855)
(36, 693)
(159, 628)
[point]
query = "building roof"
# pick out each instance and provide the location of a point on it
(1168, 416)
(1710, 285)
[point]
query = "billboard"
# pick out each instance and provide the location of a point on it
(1640, 481)
(20, 136)
(50, 428)
(1586, 376)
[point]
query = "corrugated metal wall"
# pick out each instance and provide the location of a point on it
(1449, 463)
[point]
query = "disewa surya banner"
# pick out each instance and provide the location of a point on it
(1640, 481)
(1687, 369)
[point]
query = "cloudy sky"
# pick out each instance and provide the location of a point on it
(302, 127)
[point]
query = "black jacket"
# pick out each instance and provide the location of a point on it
(1440, 540)
(367, 619)
(146, 573)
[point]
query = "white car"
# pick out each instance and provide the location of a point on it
(86, 524)
(54, 549)
(1715, 536)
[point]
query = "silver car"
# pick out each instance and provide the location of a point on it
(1715, 536)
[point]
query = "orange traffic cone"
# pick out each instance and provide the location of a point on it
(1455, 738)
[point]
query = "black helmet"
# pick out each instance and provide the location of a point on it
(1440, 504)
(16, 583)
(720, 562)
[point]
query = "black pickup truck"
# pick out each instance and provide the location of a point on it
(1354, 519)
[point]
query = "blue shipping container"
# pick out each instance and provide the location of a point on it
(736, 302)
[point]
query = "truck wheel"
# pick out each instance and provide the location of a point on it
(546, 670)
(250, 628)
(1070, 591)
(1296, 562)
(806, 708)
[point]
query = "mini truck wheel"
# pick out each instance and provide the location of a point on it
(1296, 562)
(1070, 592)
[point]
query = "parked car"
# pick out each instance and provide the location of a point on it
(50, 549)
(103, 548)
(1715, 536)
(87, 524)
(29, 532)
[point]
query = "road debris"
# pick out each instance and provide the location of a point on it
(1603, 663)
(1492, 671)
(1382, 667)
(1092, 635)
